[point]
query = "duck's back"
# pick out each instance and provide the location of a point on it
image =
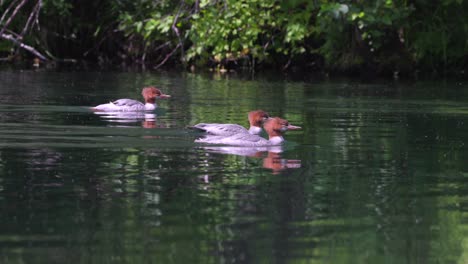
(129, 105)
(122, 105)
(220, 129)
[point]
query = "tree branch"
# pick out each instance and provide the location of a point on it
(167, 57)
(176, 30)
(161, 46)
(12, 16)
(33, 14)
(8, 10)
(23, 46)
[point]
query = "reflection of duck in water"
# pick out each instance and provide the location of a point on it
(275, 128)
(273, 159)
(276, 163)
(243, 151)
(129, 105)
(148, 120)
(256, 120)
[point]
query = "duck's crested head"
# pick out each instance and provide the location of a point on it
(152, 93)
(276, 126)
(258, 117)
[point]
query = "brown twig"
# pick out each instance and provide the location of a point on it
(8, 10)
(161, 46)
(286, 66)
(33, 14)
(16, 35)
(197, 6)
(12, 16)
(176, 30)
(167, 57)
(23, 46)
(98, 44)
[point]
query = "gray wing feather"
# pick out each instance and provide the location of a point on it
(220, 129)
(127, 103)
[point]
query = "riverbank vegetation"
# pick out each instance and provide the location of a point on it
(381, 36)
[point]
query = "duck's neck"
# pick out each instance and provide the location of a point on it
(150, 106)
(255, 130)
(276, 140)
(150, 100)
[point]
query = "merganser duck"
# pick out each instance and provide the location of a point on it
(275, 128)
(256, 120)
(149, 93)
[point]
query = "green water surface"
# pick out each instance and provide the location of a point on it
(376, 175)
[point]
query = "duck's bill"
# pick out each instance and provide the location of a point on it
(162, 96)
(291, 127)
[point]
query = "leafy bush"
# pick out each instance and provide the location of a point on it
(347, 34)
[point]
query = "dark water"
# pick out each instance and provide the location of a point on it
(379, 173)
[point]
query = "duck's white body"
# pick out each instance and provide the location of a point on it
(256, 119)
(126, 105)
(244, 139)
(129, 105)
(226, 129)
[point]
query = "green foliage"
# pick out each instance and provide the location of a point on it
(231, 30)
(57, 7)
(5, 46)
(346, 34)
(147, 26)
(149, 19)
(438, 32)
(378, 23)
(254, 30)
(359, 31)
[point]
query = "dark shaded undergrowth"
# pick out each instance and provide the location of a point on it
(383, 37)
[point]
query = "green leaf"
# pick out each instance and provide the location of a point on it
(387, 20)
(138, 25)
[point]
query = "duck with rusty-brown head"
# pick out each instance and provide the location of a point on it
(150, 94)
(256, 120)
(275, 128)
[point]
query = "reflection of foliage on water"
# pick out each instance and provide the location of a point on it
(229, 100)
(380, 180)
(364, 163)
